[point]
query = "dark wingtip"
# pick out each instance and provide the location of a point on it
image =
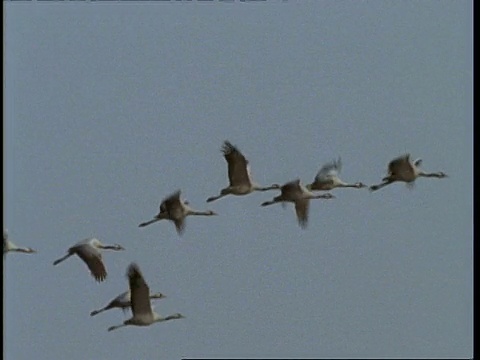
(133, 272)
(303, 223)
(180, 232)
(228, 147)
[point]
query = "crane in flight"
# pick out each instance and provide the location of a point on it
(89, 251)
(175, 209)
(123, 301)
(239, 176)
(296, 193)
(403, 169)
(327, 178)
(142, 312)
(10, 246)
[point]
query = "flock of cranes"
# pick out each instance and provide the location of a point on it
(176, 209)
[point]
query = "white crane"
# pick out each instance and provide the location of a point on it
(123, 301)
(142, 313)
(404, 169)
(296, 193)
(327, 178)
(175, 209)
(238, 174)
(89, 251)
(10, 246)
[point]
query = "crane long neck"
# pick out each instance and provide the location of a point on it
(23, 250)
(62, 259)
(257, 187)
(196, 212)
(95, 312)
(424, 174)
(386, 181)
(346, 185)
(322, 196)
(116, 327)
(157, 218)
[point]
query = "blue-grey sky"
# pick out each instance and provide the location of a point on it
(109, 107)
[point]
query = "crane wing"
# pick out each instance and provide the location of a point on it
(301, 209)
(93, 258)
(123, 298)
(170, 201)
(237, 165)
(401, 167)
(180, 225)
(329, 170)
(140, 293)
(398, 163)
(291, 190)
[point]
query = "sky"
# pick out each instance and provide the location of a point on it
(110, 107)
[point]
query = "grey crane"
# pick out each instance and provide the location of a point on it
(142, 312)
(327, 178)
(175, 209)
(298, 194)
(404, 169)
(89, 251)
(239, 175)
(123, 301)
(10, 246)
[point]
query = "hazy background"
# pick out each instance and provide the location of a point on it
(109, 107)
